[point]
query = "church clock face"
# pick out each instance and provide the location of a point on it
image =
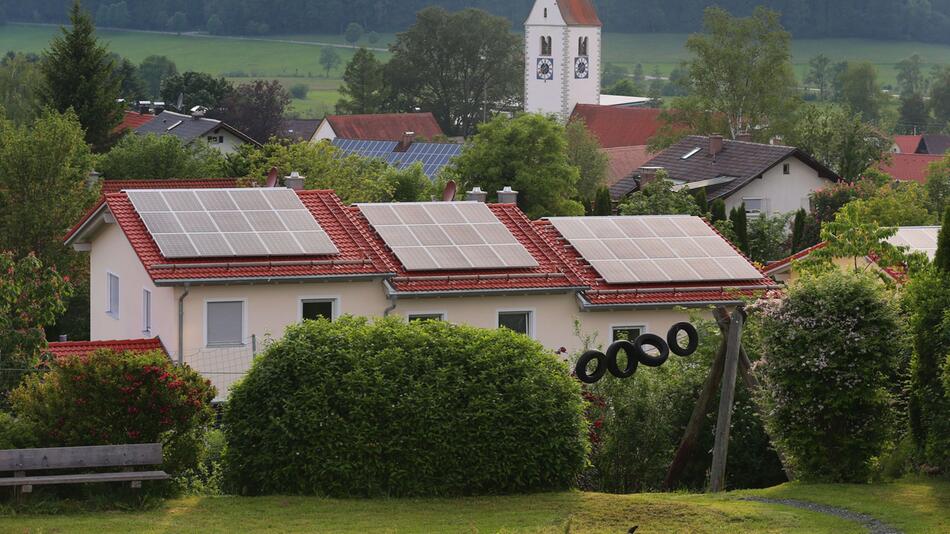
(545, 68)
(581, 68)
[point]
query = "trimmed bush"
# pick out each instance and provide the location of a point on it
(829, 352)
(109, 398)
(358, 408)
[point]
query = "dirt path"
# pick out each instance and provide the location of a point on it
(873, 525)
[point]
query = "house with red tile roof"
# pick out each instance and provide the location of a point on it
(216, 272)
(132, 120)
(378, 127)
(61, 349)
(906, 144)
(615, 126)
(909, 167)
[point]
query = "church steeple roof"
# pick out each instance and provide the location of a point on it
(579, 12)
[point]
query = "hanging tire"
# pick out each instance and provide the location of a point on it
(613, 351)
(654, 341)
(672, 339)
(581, 368)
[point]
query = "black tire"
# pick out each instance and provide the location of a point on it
(581, 368)
(673, 341)
(655, 341)
(632, 361)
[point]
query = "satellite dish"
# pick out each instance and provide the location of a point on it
(272, 177)
(448, 194)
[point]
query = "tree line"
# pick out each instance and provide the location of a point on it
(874, 19)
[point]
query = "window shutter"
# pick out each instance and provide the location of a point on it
(225, 323)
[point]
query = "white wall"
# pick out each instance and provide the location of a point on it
(785, 193)
(324, 131)
(586, 90)
(230, 144)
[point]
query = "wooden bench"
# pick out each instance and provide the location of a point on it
(20, 461)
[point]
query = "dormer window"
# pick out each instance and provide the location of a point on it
(582, 46)
(546, 47)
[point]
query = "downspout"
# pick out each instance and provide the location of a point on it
(391, 295)
(181, 326)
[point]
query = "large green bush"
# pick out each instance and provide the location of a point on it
(109, 398)
(358, 408)
(829, 351)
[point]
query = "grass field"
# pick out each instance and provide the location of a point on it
(295, 58)
(912, 506)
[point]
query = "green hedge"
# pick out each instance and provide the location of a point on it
(358, 408)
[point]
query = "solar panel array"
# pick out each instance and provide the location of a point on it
(433, 156)
(654, 249)
(917, 239)
(230, 222)
(447, 236)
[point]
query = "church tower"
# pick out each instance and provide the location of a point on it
(562, 62)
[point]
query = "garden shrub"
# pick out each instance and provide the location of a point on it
(359, 408)
(108, 398)
(829, 348)
(16, 433)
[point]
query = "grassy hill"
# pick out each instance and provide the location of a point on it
(294, 59)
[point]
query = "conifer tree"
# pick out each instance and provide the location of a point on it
(364, 88)
(798, 231)
(942, 259)
(717, 210)
(78, 74)
(602, 202)
(740, 224)
(700, 196)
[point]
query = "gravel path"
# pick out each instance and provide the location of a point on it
(873, 525)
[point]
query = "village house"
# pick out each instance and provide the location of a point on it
(196, 127)
(378, 127)
(215, 273)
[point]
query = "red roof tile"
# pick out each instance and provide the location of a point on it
(694, 293)
(61, 349)
(114, 186)
(619, 126)
(907, 143)
(909, 167)
(132, 120)
(624, 161)
(384, 126)
(777, 266)
(579, 12)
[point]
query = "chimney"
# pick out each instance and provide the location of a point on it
(744, 136)
(408, 138)
(294, 181)
(63, 338)
(477, 195)
(648, 174)
(715, 145)
(93, 180)
(507, 196)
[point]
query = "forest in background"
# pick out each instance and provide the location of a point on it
(911, 20)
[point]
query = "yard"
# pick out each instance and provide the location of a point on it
(912, 506)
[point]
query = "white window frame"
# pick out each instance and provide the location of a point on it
(146, 311)
(118, 297)
(441, 314)
(787, 168)
(335, 300)
(244, 334)
(764, 206)
(531, 318)
(642, 327)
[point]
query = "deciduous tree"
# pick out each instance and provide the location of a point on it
(151, 157)
(196, 89)
(584, 152)
(659, 198)
(154, 70)
(20, 86)
(861, 91)
(257, 108)
(819, 72)
(329, 59)
(938, 184)
(353, 32)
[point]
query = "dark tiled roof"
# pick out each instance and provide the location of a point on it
(579, 12)
(188, 128)
(298, 129)
(385, 126)
(741, 160)
(934, 144)
(615, 126)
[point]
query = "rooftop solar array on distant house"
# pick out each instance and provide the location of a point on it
(917, 239)
(230, 222)
(654, 249)
(433, 156)
(447, 236)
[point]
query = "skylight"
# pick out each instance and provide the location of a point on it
(691, 153)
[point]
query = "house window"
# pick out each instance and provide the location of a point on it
(225, 323)
(582, 46)
(754, 206)
(546, 47)
(215, 139)
(112, 287)
(787, 168)
(626, 333)
(146, 311)
(519, 321)
(545, 12)
(315, 309)
(426, 317)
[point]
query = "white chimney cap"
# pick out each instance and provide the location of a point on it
(476, 189)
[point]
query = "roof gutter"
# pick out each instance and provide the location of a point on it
(587, 306)
(82, 227)
(390, 291)
(271, 279)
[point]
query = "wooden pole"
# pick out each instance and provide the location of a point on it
(717, 476)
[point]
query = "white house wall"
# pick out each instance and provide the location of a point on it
(784, 192)
(324, 131)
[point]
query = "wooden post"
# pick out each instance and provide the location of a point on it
(717, 476)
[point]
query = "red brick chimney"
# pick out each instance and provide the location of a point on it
(408, 139)
(715, 145)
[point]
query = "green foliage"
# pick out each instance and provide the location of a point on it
(299, 91)
(828, 354)
(20, 84)
(257, 108)
(798, 231)
(364, 88)
(690, 117)
(177, 23)
(851, 235)
(372, 37)
(838, 138)
(528, 153)
(330, 59)
(940, 98)
(657, 197)
(154, 70)
(826, 202)
(861, 91)
(717, 210)
(131, 85)
(603, 203)
(455, 64)
(819, 74)
(913, 114)
(740, 225)
(700, 196)
(613, 73)
(768, 238)
(741, 67)
(902, 204)
(214, 25)
(152, 157)
(77, 72)
(197, 89)
(942, 258)
(403, 409)
(353, 33)
(938, 184)
(111, 398)
(625, 87)
(15, 433)
(410, 184)
(584, 152)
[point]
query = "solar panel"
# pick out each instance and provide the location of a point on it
(654, 249)
(917, 239)
(230, 222)
(447, 236)
(432, 156)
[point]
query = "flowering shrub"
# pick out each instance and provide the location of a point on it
(354, 408)
(107, 398)
(829, 349)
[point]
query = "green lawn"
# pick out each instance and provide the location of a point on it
(913, 506)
